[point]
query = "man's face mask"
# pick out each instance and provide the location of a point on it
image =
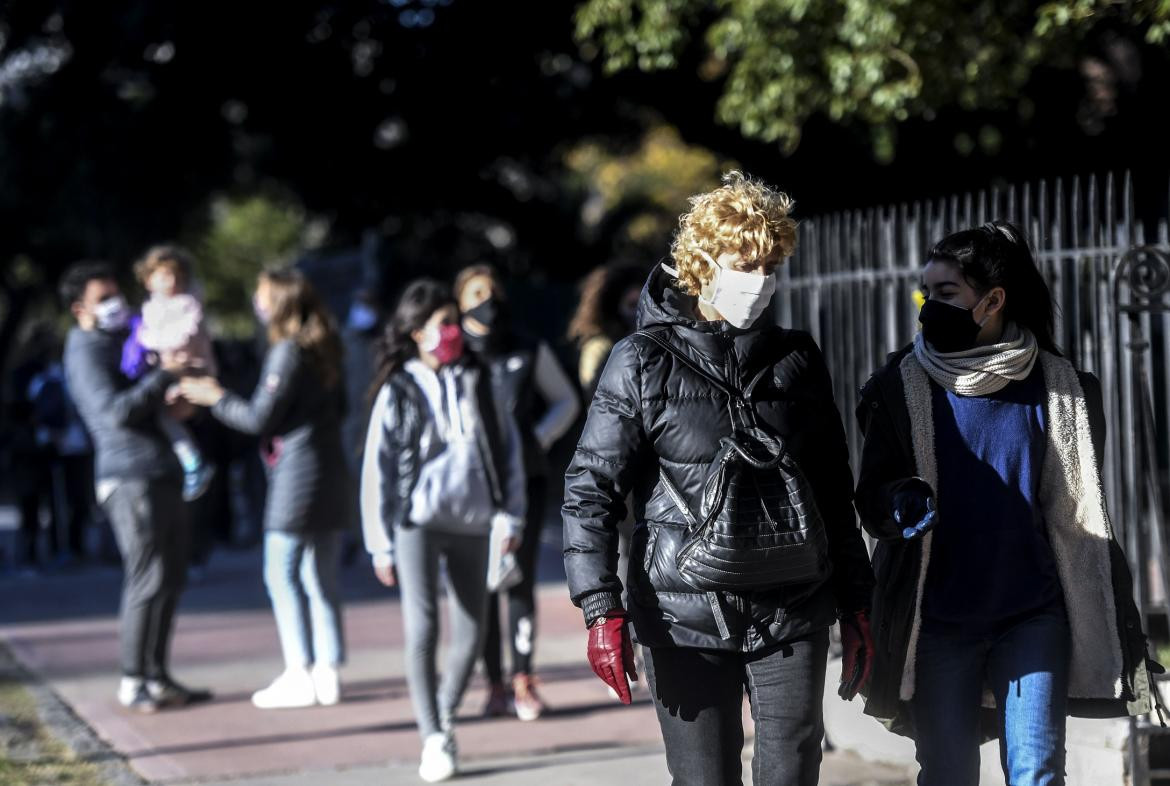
(740, 298)
(950, 328)
(112, 314)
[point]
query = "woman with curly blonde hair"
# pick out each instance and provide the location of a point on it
(706, 374)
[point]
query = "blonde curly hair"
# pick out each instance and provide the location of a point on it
(743, 216)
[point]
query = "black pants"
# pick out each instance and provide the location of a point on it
(521, 597)
(36, 469)
(76, 473)
(151, 524)
(65, 485)
(698, 695)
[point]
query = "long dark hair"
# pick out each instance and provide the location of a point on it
(418, 302)
(997, 254)
(299, 314)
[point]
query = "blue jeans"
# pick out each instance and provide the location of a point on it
(300, 573)
(1025, 665)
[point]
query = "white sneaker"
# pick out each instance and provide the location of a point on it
(128, 690)
(438, 758)
(293, 688)
(326, 684)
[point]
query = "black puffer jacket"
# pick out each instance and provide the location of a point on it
(650, 410)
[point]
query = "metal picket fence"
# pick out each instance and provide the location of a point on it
(852, 284)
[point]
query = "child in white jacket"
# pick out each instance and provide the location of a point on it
(172, 322)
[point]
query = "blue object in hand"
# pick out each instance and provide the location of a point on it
(915, 510)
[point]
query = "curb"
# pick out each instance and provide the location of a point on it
(64, 725)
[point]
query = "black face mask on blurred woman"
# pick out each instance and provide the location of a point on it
(949, 328)
(489, 313)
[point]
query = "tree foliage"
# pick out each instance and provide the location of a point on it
(876, 62)
(637, 194)
(245, 235)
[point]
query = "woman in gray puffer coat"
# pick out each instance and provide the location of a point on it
(296, 410)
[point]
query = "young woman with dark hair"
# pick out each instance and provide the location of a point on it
(999, 582)
(443, 466)
(296, 410)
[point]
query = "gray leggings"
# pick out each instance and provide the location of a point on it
(417, 556)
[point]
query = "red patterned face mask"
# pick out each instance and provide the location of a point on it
(446, 343)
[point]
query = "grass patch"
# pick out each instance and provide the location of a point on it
(29, 755)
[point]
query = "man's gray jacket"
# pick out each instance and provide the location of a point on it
(121, 415)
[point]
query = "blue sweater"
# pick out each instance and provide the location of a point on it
(990, 559)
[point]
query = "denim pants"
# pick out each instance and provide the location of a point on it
(300, 573)
(152, 527)
(419, 554)
(698, 695)
(1025, 664)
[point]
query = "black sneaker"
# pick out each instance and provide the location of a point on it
(168, 693)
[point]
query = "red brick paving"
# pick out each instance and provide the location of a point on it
(235, 652)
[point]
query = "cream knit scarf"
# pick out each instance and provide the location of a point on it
(980, 371)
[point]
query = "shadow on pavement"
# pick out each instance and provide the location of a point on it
(233, 582)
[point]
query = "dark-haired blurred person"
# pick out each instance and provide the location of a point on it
(63, 441)
(530, 383)
(139, 481)
(606, 313)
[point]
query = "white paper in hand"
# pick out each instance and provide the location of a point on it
(503, 569)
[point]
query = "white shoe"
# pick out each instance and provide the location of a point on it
(438, 758)
(326, 684)
(128, 690)
(293, 688)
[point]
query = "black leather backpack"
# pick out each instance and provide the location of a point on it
(758, 525)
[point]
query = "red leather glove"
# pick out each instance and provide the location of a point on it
(611, 654)
(856, 654)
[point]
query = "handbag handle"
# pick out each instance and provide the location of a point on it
(748, 458)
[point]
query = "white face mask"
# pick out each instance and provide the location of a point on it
(739, 297)
(112, 314)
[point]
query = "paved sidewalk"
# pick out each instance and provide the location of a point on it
(62, 628)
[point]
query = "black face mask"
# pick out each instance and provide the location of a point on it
(948, 328)
(488, 313)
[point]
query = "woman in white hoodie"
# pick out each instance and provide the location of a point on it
(443, 467)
